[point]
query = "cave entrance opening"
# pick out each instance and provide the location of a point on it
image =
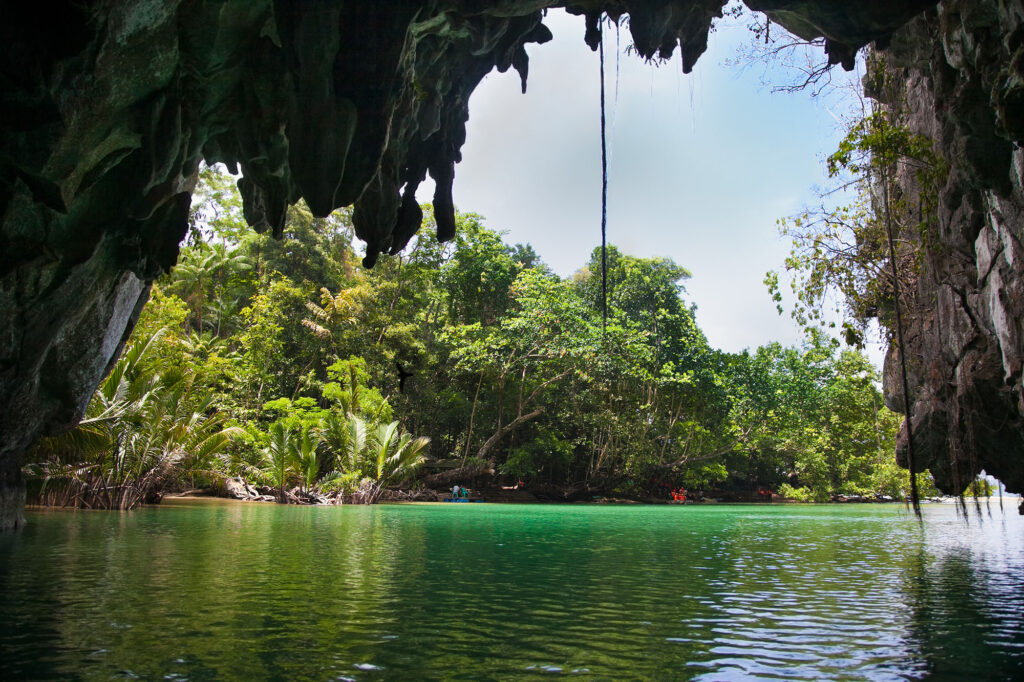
(700, 166)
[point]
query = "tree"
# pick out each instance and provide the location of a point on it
(391, 456)
(303, 453)
(480, 273)
(840, 255)
(277, 458)
(539, 343)
(345, 440)
(145, 425)
(192, 275)
(324, 368)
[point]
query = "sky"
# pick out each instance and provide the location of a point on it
(701, 166)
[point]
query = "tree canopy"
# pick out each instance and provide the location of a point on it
(310, 372)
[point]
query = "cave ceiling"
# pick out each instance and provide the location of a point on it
(337, 103)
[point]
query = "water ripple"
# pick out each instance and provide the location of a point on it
(496, 592)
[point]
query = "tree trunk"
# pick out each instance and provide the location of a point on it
(472, 415)
(505, 430)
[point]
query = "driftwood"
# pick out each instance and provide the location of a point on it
(466, 473)
(239, 489)
(422, 495)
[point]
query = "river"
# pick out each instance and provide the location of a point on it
(215, 589)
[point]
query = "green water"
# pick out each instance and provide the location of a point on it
(205, 590)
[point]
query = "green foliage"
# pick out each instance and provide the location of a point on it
(324, 369)
(304, 457)
(345, 440)
(277, 457)
(840, 255)
(480, 273)
(148, 426)
(849, 258)
(980, 487)
(798, 494)
(348, 387)
(346, 483)
(394, 453)
(546, 453)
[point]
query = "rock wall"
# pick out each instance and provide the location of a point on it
(959, 75)
(108, 107)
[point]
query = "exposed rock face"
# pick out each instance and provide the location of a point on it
(107, 108)
(846, 26)
(960, 72)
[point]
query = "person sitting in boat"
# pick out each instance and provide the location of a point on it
(455, 491)
(465, 493)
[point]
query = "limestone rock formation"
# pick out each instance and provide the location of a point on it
(109, 106)
(959, 76)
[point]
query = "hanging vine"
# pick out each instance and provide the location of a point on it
(604, 193)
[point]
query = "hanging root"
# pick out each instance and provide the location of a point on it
(915, 499)
(604, 193)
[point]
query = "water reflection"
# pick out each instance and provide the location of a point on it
(243, 590)
(964, 590)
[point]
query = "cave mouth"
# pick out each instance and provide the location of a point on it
(105, 122)
(694, 159)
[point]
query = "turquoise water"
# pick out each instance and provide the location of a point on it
(212, 590)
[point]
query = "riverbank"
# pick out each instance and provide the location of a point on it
(236, 489)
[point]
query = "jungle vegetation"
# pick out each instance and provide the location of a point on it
(285, 363)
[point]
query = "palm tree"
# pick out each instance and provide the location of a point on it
(334, 310)
(303, 455)
(140, 426)
(205, 266)
(192, 274)
(277, 458)
(224, 263)
(195, 432)
(391, 456)
(345, 438)
(92, 465)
